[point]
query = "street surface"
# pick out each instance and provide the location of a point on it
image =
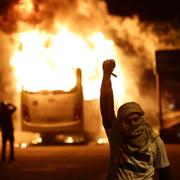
(68, 162)
(57, 162)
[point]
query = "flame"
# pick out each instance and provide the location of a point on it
(48, 61)
(48, 40)
(25, 6)
(52, 38)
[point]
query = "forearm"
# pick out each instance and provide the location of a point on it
(107, 102)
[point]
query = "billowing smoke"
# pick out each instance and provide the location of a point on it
(76, 14)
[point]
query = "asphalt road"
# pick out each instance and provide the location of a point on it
(68, 162)
(57, 162)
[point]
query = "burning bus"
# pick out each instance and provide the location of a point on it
(50, 112)
(168, 85)
(44, 40)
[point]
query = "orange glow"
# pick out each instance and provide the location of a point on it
(43, 42)
(25, 7)
(49, 45)
(47, 61)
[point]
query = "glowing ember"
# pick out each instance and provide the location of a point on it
(37, 140)
(69, 140)
(102, 141)
(24, 145)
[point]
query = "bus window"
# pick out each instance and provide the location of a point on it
(53, 111)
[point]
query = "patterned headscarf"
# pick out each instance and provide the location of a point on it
(136, 134)
(129, 108)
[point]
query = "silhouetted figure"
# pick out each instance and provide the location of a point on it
(136, 151)
(6, 111)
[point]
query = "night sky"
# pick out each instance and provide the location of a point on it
(165, 10)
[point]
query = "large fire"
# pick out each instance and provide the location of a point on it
(48, 40)
(46, 61)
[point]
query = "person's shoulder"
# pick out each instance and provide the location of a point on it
(159, 140)
(153, 135)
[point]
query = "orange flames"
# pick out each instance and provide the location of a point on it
(47, 61)
(53, 38)
(45, 41)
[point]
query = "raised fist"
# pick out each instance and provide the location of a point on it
(108, 66)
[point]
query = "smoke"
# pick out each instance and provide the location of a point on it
(136, 42)
(7, 87)
(76, 14)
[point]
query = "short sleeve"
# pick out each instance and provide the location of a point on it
(161, 158)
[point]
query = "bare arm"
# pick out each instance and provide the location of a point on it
(106, 95)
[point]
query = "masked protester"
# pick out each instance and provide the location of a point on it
(6, 111)
(136, 151)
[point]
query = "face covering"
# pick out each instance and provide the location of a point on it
(132, 125)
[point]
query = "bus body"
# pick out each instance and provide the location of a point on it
(168, 86)
(49, 112)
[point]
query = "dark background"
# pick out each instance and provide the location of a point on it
(164, 10)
